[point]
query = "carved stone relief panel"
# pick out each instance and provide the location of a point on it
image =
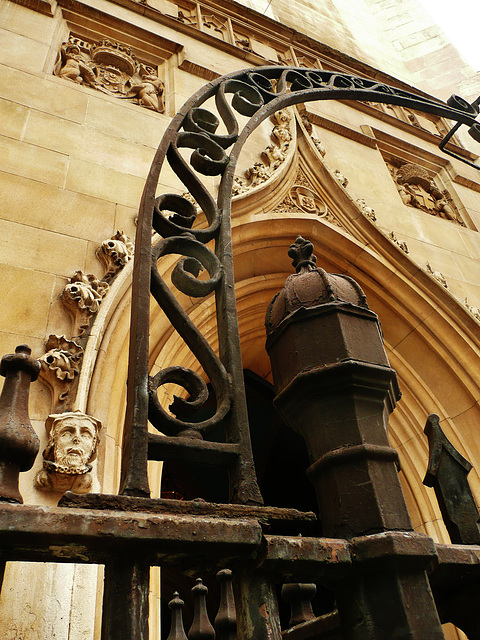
(73, 439)
(215, 26)
(303, 198)
(112, 68)
(189, 16)
(418, 189)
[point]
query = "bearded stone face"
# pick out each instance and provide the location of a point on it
(74, 442)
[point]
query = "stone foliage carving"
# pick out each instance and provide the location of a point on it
(114, 254)
(73, 439)
(341, 178)
(403, 245)
(82, 297)
(111, 68)
(272, 156)
(309, 129)
(60, 368)
(366, 210)
(475, 311)
(438, 275)
(417, 189)
(303, 198)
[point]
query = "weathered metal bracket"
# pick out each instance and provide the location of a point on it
(474, 130)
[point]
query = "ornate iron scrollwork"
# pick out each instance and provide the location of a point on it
(255, 93)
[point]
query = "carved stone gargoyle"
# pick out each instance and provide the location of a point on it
(82, 297)
(114, 254)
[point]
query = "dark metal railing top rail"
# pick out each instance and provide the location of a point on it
(255, 93)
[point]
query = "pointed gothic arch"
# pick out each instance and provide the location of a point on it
(431, 339)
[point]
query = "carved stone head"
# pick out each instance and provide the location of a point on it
(72, 444)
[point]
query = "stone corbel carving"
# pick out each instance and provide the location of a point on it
(438, 275)
(112, 68)
(366, 210)
(60, 368)
(114, 254)
(82, 297)
(73, 439)
(417, 189)
(273, 155)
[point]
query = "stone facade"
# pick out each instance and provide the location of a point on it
(86, 91)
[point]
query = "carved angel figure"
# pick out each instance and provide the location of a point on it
(149, 92)
(72, 444)
(73, 67)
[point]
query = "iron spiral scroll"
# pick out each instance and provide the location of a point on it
(256, 93)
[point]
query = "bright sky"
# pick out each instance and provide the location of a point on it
(460, 19)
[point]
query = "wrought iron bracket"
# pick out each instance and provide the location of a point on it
(216, 141)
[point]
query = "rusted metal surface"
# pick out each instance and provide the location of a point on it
(337, 390)
(474, 130)
(125, 599)
(447, 473)
(314, 558)
(299, 596)
(271, 519)
(53, 534)
(225, 625)
(326, 627)
(456, 587)
(19, 443)
(257, 606)
(256, 93)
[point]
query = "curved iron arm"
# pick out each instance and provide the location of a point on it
(256, 93)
